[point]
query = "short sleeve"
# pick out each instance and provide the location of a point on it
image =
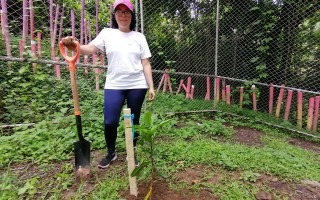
(145, 51)
(99, 41)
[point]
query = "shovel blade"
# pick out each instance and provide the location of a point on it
(82, 154)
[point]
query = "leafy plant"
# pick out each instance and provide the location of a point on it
(148, 132)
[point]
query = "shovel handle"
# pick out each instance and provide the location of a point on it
(72, 60)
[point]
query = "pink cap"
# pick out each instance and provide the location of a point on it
(124, 2)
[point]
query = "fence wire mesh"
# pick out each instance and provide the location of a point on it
(251, 42)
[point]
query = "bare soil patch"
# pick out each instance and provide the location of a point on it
(304, 144)
(248, 136)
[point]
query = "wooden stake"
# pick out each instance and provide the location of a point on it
(130, 153)
(288, 105)
(228, 93)
(241, 97)
(279, 104)
(271, 89)
(310, 113)
(316, 114)
(299, 110)
(217, 89)
(254, 98)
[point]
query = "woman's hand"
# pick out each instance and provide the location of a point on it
(69, 42)
(152, 94)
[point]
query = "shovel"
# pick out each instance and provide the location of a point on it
(81, 147)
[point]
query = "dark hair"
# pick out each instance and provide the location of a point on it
(132, 24)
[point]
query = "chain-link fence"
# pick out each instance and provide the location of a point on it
(245, 43)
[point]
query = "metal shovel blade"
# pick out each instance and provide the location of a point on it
(82, 154)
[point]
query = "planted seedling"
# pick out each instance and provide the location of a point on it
(148, 132)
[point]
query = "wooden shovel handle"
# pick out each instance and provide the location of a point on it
(72, 68)
(72, 60)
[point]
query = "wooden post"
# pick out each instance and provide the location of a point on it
(217, 89)
(279, 104)
(223, 92)
(299, 110)
(161, 81)
(192, 92)
(241, 97)
(188, 92)
(228, 94)
(288, 105)
(207, 97)
(271, 89)
(316, 114)
(254, 98)
(310, 114)
(130, 153)
(180, 85)
(57, 69)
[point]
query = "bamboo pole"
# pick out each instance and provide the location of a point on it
(310, 114)
(241, 98)
(5, 26)
(279, 104)
(299, 109)
(316, 114)
(271, 93)
(228, 91)
(130, 152)
(288, 105)
(207, 97)
(217, 89)
(223, 93)
(254, 98)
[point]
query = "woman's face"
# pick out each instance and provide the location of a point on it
(123, 16)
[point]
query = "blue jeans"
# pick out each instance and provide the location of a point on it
(113, 103)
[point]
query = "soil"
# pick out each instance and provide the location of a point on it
(201, 175)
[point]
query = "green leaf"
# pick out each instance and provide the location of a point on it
(137, 171)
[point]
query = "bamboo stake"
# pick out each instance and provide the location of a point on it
(279, 104)
(223, 93)
(271, 91)
(192, 92)
(288, 105)
(228, 91)
(217, 89)
(130, 152)
(241, 97)
(254, 98)
(207, 97)
(299, 110)
(39, 44)
(316, 114)
(5, 26)
(310, 114)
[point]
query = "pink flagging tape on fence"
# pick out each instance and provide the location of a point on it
(288, 105)
(316, 113)
(271, 93)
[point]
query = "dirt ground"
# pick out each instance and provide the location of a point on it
(305, 190)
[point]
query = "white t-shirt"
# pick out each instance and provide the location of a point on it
(124, 53)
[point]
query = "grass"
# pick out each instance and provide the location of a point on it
(188, 140)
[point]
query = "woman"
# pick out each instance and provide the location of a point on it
(129, 72)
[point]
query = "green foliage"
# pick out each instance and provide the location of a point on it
(8, 186)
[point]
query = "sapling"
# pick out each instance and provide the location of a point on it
(148, 131)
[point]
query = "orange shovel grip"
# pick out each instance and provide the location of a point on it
(72, 60)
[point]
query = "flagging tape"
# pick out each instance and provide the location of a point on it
(77, 113)
(131, 117)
